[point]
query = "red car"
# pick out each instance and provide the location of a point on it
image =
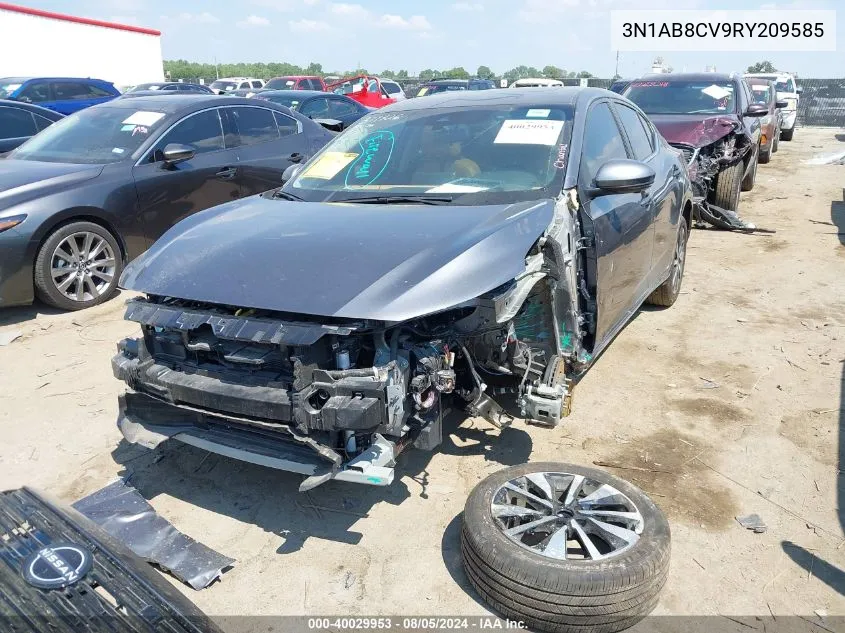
(296, 82)
(364, 89)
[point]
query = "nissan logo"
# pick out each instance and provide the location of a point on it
(56, 566)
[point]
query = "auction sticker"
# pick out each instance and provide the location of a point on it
(533, 132)
(143, 118)
(329, 164)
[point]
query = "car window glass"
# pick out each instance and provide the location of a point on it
(15, 123)
(640, 144)
(602, 141)
(286, 124)
(316, 108)
(339, 108)
(41, 122)
(649, 132)
(171, 87)
(256, 84)
(254, 125)
(72, 91)
(35, 93)
(202, 131)
(391, 88)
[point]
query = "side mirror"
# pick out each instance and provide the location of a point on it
(330, 124)
(781, 104)
(290, 172)
(757, 109)
(622, 175)
(177, 153)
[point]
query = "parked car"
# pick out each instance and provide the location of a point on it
(229, 84)
(65, 95)
(536, 82)
(714, 121)
(436, 86)
(94, 190)
(364, 89)
(317, 105)
(296, 82)
(172, 86)
(438, 246)
(789, 91)
(19, 121)
(393, 89)
(763, 92)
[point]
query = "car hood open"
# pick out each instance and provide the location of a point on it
(695, 129)
(368, 261)
(22, 180)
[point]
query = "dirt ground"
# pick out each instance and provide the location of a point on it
(729, 403)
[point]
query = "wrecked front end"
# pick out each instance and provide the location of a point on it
(341, 398)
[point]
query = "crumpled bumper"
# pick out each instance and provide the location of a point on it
(788, 119)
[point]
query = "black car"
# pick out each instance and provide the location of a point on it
(436, 86)
(172, 86)
(94, 190)
(484, 244)
(317, 105)
(19, 121)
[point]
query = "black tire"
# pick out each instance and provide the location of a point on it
(564, 595)
(775, 141)
(751, 176)
(766, 154)
(725, 193)
(45, 287)
(786, 135)
(668, 292)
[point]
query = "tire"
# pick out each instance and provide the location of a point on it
(725, 193)
(765, 155)
(775, 141)
(568, 594)
(98, 268)
(751, 177)
(786, 135)
(667, 293)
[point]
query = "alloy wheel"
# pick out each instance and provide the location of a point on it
(82, 266)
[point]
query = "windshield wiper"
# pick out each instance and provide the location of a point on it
(399, 200)
(286, 195)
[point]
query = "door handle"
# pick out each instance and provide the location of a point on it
(296, 157)
(227, 173)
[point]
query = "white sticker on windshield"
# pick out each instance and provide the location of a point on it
(524, 132)
(717, 92)
(118, 150)
(143, 118)
(538, 113)
(453, 187)
(154, 87)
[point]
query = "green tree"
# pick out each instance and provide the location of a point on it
(427, 74)
(584, 75)
(520, 72)
(389, 74)
(314, 69)
(762, 67)
(553, 72)
(484, 72)
(402, 74)
(456, 73)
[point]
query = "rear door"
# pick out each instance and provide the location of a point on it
(620, 224)
(345, 110)
(16, 125)
(167, 194)
(267, 142)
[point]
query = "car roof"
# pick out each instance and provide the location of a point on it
(22, 79)
(166, 103)
(298, 77)
(689, 76)
(564, 96)
(31, 107)
(15, 79)
(297, 93)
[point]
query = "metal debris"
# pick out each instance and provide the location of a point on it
(753, 522)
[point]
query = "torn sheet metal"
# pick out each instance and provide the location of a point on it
(122, 512)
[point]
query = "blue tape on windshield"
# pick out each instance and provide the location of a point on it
(376, 150)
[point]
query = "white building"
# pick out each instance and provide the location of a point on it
(39, 43)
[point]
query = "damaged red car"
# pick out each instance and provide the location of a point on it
(714, 121)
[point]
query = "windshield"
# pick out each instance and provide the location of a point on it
(94, 135)
(8, 87)
(280, 83)
(290, 102)
(760, 93)
(784, 86)
(476, 155)
(682, 97)
(224, 85)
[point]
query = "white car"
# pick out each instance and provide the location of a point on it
(393, 89)
(536, 82)
(787, 91)
(228, 84)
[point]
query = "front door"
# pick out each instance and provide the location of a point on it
(169, 193)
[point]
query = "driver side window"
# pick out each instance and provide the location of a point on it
(602, 142)
(202, 131)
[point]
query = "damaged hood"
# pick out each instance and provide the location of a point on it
(695, 129)
(366, 261)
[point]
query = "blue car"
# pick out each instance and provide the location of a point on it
(65, 95)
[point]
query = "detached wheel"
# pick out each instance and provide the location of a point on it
(751, 177)
(786, 135)
(726, 192)
(667, 293)
(565, 548)
(77, 266)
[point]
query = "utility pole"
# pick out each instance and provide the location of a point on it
(216, 68)
(616, 72)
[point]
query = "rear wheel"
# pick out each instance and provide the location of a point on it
(766, 154)
(775, 141)
(667, 293)
(726, 192)
(77, 266)
(786, 135)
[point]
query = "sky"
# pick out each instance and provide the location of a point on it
(439, 34)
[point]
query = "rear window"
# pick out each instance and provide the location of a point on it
(391, 88)
(6, 89)
(280, 83)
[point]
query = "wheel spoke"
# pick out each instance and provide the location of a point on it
(74, 247)
(100, 263)
(502, 511)
(80, 290)
(63, 286)
(603, 495)
(92, 287)
(106, 277)
(61, 272)
(97, 249)
(573, 490)
(63, 254)
(542, 483)
(556, 545)
(633, 517)
(86, 245)
(582, 537)
(519, 529)
(527, 495)
(614, 534)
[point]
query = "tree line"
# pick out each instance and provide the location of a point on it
(183, 69)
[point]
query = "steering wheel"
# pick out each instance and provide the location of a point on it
(466, 168)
